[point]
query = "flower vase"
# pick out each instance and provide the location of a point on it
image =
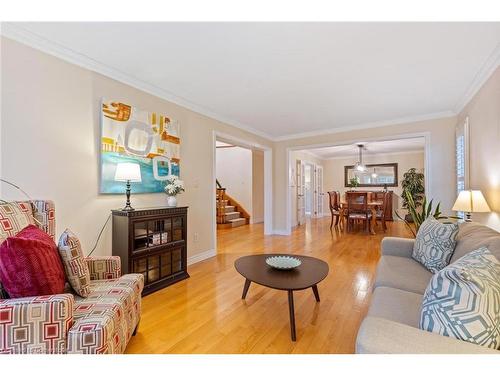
(171, 201)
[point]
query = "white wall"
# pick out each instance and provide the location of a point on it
(50, 145)
(334, 171)
(234, 172)
(484, 121)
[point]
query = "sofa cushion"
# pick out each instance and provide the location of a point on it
(402, 273)
(107, 317)
(396, 305)
(472, 236)
(77, 270)
(462, 300)
(14, 217)
(435, 244)
(30, 264)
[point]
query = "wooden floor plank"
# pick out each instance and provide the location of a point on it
(205, 313)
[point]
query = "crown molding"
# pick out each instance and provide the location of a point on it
(35, 41)
(19, 34)
(369, 125)
(484, 73)
(310, 153)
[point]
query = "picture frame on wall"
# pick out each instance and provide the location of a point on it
(133, 135)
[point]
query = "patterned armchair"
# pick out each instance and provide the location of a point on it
(103, 322)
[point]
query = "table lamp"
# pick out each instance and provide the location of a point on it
(471, 201)
(129, 172)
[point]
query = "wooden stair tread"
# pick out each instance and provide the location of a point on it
(237, 220)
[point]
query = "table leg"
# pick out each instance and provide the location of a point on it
(245, 288)
(374, 220)
(316, 293)
(292, 314)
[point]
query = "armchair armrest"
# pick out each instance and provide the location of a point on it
(36, 324)
(397, 246)
(102, 268)
(377, 335)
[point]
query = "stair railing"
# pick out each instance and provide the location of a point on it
(221, 204)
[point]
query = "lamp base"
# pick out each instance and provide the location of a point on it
(127, 207)
(468, 217)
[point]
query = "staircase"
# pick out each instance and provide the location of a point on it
(230, 214)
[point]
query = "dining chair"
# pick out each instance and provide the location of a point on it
(357, 209)
(335, 209)
(382, 211)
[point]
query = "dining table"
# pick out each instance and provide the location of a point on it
(373, 206)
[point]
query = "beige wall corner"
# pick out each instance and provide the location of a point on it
(50, 138)
(257, 187)
(483, 112)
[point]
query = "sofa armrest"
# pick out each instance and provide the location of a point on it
(397, 246)
(36, 324)
(377, 335)
(103, 268)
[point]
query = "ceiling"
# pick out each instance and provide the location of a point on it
(282, 80)
(370, 148)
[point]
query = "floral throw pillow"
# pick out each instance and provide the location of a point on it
(435, 244)
(75, 265)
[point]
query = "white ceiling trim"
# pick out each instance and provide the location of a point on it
(369, 125)
(485, 72)
(376, 154)
(311, 153)
(24, 36)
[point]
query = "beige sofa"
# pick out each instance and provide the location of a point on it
(391, 325)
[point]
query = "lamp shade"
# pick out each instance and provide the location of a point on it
(128, 172)
(471, 201)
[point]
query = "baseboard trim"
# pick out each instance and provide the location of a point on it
(282, 232)
(201, 256)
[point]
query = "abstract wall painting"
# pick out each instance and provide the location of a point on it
(129, 134)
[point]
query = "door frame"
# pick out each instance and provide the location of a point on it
(268, 178)
(289, 150)
(318, 192)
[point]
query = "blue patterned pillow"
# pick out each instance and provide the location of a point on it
(463, 300)
(435, 244)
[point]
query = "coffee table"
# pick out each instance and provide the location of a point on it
(254, 269)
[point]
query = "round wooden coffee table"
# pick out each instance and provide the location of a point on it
(254, 269)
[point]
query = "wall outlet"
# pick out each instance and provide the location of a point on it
(196, 237)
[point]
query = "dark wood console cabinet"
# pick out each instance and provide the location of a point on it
(153, 242)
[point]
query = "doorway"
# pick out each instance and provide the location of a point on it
(242, 180)
(308, 197)
(334, 161)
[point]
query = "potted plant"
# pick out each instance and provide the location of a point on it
(417, 218)
(354, 182)
(413, 187)
(173, 186)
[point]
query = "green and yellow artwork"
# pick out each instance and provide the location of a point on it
(131, 135)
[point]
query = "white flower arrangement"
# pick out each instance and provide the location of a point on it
(173, 185)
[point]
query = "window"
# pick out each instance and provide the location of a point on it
(462, 157)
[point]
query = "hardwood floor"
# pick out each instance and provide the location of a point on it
(205, 313)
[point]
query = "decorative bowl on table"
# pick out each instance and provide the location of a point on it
(283, 262)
